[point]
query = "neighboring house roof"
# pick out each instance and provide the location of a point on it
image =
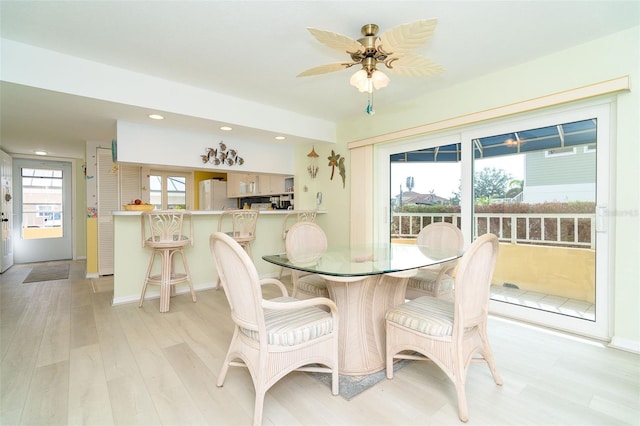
(411, 197)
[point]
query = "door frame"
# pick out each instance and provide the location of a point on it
(6, 206)
(48, 244)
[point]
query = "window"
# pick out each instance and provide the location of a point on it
(170, 190)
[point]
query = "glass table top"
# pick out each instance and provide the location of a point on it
(364, 259)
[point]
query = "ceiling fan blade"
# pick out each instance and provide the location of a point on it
(323, 69)
(336, 41)
(406, 37)
(413, 65)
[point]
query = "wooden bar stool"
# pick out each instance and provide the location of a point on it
(162, 231)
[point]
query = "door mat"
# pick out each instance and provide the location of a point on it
(351, 386)
(48, 273)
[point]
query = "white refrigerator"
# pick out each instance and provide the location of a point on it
(213, 196)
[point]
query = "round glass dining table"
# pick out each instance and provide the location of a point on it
(364, 281)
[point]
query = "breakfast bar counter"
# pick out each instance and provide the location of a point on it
(131, 259)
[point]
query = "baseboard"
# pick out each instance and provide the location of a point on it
(156, 294)
(625, 345)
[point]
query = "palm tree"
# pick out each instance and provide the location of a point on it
(410, 183)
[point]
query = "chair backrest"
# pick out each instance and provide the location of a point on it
(299, 216)
(441, 234)
(166, 227)
(243, 223)
(473, 280)
(240, 281)
(305, 242)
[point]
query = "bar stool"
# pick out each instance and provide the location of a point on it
(162, 232)
(241, 226)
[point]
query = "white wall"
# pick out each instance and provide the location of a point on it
(161, 146)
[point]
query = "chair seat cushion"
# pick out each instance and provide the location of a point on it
(425, 280)
(312, 284)
(294, 327)
(425, 314)
(173, 241)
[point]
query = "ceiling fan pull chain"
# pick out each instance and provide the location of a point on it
(369, 110)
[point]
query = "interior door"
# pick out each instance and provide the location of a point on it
(42, 209)
(6, 210)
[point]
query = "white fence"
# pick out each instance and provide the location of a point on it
(569, 230)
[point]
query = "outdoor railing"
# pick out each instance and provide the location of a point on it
(569, 230)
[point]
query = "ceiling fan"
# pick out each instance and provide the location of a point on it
(392, 49)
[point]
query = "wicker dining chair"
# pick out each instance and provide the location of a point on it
(437, 280)
(304, 243)
(293, 217)
(450, 333)
(272, 337)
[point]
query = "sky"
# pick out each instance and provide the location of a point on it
(444, 178)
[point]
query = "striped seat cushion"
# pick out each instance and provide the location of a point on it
(425, 314)
(290, 328)
(425, 280)
(312, 284)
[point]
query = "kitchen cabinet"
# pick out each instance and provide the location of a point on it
(242, 185)
(272, 185)
(252, 185)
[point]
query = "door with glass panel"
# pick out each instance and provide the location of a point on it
(541, 185)
(42, 210)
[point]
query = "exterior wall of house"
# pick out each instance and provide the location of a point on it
(562, 177)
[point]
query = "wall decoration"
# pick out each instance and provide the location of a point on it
(222, 156)
(336, 160)
(312, 168)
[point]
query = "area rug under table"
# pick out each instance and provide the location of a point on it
(351, 386)
(48, 273)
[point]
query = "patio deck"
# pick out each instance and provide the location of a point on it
(546, 302)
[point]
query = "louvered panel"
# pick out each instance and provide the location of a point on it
(107, 194)
(105, 246)
(129, 184)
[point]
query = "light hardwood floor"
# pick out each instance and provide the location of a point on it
(69, 357)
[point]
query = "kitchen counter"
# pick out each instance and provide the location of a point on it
(210, 212)
(131, 259)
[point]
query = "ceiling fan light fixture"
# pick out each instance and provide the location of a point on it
(365, 83)
(380, 79)
(359, 80)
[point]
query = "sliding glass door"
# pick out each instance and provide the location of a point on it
(540, 183)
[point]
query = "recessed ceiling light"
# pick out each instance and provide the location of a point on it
(280, 138)
(226, 128)
(40, 152)
(156, 117)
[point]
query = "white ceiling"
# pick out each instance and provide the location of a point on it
(254, 49)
